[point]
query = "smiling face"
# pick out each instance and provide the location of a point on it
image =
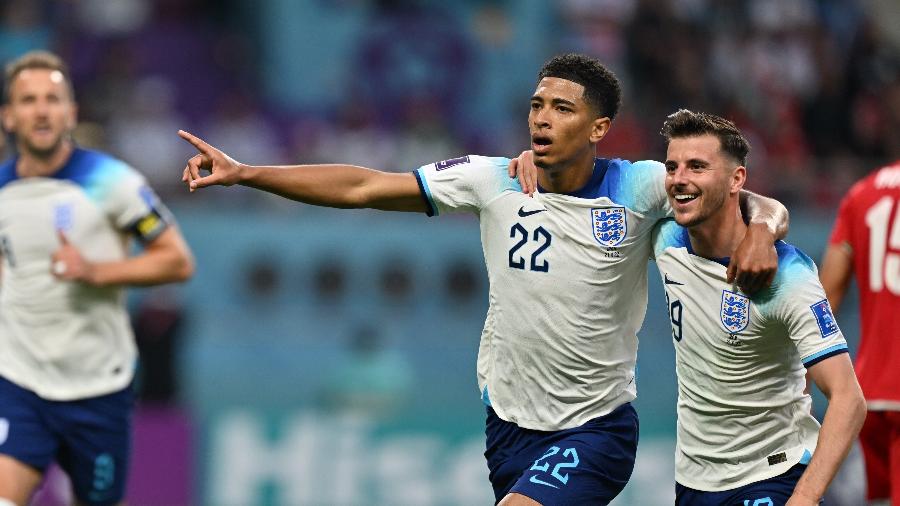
(41, 112)
(564, 128)
(701, 178)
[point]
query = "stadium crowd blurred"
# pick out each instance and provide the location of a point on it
(816, 83)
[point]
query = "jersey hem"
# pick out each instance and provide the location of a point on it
(50, 395)
(776, 471)
(575, 422)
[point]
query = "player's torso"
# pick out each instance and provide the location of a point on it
(32, 213)
(726, 348)
(875, 240)
(568, 294)
(742, 413)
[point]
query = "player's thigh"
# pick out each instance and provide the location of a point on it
(27, 443)
(18, 480)
(893, 418)
(97, 447)
(586, 468)
(875, 441)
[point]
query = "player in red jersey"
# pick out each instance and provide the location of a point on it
(866, 242)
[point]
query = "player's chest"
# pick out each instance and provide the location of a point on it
(538, 234)
(711, 318)
(32, 212)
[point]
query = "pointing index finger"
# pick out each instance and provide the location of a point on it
(197, 142)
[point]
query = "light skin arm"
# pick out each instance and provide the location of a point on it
(843, 420)
(342, 186)
(165, 259)
(835, 273)
(754, 262)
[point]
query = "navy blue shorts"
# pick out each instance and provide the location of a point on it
(589, 464)
(90, 439)
(772, 492)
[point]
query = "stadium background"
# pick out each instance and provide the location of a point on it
(326, 357)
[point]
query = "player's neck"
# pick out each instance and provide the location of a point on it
(569, 178)
(33, 165)
(719, 235)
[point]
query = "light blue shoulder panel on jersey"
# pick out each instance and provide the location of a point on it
(669, 234)
(497, 165)
(794, 269)
(635, 185)
(96, 173)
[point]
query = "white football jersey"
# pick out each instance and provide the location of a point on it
(66, 340)
(568, 284)
(742, 413)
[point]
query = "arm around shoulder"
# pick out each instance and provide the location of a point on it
(766, 212)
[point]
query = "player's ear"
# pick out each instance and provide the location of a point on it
(599, 128)
(738, 178)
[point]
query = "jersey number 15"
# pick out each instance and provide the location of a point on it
(884, 266)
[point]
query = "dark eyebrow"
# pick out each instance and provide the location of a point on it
(697, 161)
(562, 101)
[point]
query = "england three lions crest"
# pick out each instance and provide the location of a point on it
(735, 311)
(610, 226)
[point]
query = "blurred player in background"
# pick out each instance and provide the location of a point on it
(745, 431)
(866, 242)
(567, 272)
(67, 354)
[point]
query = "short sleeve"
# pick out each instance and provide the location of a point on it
(135, 208)
(464, 184)
(842, 232)
(803, 308)
(646, 180)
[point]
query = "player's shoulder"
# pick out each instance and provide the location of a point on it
(669, 234)
(471, 162)
(792, 261)
(89, 167)
(884, 179)
(8, 171)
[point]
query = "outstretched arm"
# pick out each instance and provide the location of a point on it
(343, 186)
(835, 273)
(843, 420)
(754, 263)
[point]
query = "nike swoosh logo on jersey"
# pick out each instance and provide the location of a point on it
(668, 281)
(523, 213)
(534, 479)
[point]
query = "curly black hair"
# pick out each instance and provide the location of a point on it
(601, 87)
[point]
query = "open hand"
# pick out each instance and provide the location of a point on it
(523, 167)
(223, 169)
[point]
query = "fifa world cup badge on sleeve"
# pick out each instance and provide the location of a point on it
(610, 226)
(824, 317)
(735, 311)
(446, 164)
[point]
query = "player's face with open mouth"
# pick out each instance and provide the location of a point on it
(561, 123)
(698, 177)
(41, 112)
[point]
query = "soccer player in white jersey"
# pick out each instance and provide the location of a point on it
(67, 353)
(556, 370)
(745, 432)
